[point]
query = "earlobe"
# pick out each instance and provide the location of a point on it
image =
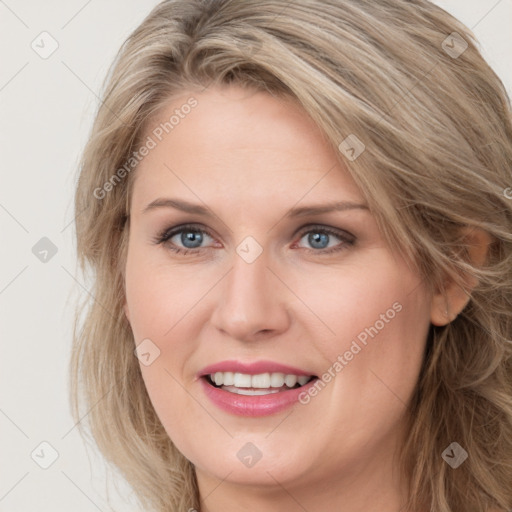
(446, 307)
(447, 304)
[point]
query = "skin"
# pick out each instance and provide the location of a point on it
(250, 157)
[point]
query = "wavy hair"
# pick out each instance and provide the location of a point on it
(437, 131)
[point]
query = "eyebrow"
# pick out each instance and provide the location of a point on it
(301, 211)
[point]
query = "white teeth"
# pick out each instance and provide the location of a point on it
(277, 380)
(242, 380)
(290, 380)
(250, 392)
(260, 381)
(229, 378)
(302, 379)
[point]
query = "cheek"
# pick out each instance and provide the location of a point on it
(349, 300)
(159, 294)
(375, 321)
(160, 299)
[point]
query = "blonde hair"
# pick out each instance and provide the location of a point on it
(437, 132)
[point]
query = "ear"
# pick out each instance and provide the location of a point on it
(447, 304)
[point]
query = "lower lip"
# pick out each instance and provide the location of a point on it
(256, 405)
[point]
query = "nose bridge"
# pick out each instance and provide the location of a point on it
(251, 299)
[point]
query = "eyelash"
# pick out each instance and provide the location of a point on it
(168, 233)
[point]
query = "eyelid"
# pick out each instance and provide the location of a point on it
(168, 232)
(340, 233)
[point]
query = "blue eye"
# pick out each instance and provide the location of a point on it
(319, 237)
(191, 237)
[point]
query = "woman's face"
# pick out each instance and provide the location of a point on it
(267, 283)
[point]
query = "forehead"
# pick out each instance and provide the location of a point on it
(239, 143)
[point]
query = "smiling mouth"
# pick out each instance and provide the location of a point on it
(254, 385)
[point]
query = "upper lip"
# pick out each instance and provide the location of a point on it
(252, 368)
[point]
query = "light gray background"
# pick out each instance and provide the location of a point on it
(46, 111)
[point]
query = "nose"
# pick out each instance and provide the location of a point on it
(252, 301)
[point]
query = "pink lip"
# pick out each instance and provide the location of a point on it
(252, 368)
(257, 405)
